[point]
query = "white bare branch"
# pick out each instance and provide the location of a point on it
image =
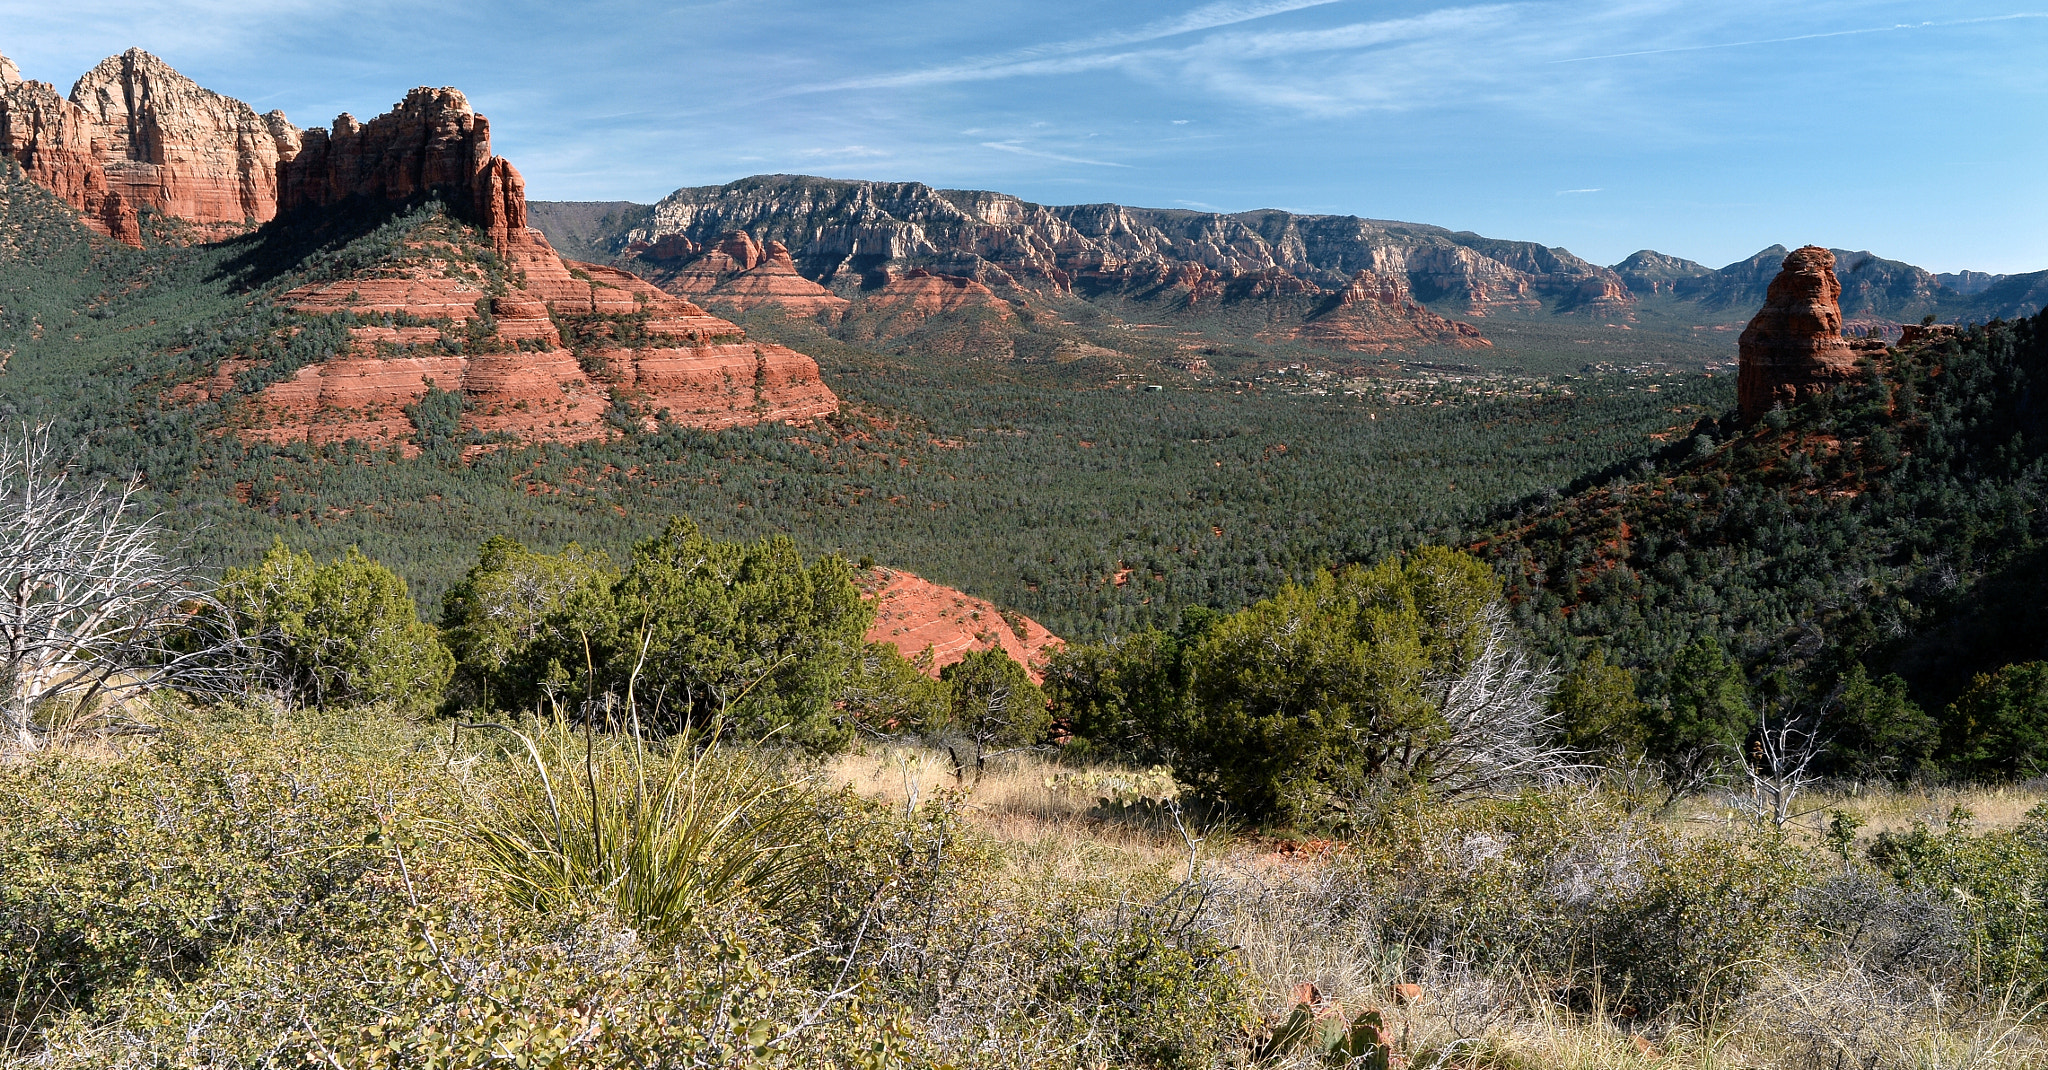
(1496, 725)
(90, 609)
(1779, 766)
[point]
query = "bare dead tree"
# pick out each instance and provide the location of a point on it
(90, 609)
(1496, 723)
(1780, 764)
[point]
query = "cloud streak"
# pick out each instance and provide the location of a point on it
(1014, 147)
(1047, 58)
(1894, 28)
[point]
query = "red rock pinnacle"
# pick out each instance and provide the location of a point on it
(1794, 347)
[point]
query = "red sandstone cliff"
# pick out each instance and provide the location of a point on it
(741, 272)
(636, 355)
(136, 135)
(1794, 347)
(430, 142)
(917, 614)
(1375, 314)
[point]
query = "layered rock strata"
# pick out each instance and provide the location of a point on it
(1376, 313)
(743, 273)
(849, 235)
(136, 136)
(638, 356)
(430, 143)
(1794, 347)
(922, 617)
(521, 381)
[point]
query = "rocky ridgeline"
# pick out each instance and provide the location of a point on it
(852, 236)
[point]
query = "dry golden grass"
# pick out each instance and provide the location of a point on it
(1049, 814)
(1055, 825)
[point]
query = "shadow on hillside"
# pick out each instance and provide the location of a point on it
(313, 244)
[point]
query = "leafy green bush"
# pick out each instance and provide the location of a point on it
(519, 620)
(993, 703)
(888, 693)
(1994, 881)
(743, 632)
(1998, 729)
(344, 632)
(1166, 995)
(1696, 735)
(1598, 712)
(1334, 688)
(151, 868)
(1574, 889)
(1876, 731)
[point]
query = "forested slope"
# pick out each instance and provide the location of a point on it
(1894, 524)
(1059, 489)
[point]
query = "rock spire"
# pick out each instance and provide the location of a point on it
(430, 142)
(1794, 347)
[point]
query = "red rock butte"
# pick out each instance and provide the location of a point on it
(743, 273)
(136, 136)
(918, 615)
(1794, 347)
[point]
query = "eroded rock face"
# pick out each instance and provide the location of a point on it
(741, 272)
(136, 135)
(524, 381)
(1794, 347)
(1376, 313)
(844, 234)
(918, 616)
(431, 142)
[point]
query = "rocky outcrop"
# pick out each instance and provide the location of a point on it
(1374, 314)
(635, 356)
(920, 616)
(136, 136)
(1794, 347)
(737, 271)
(1647, 271)
(522, 381)
(430, 143)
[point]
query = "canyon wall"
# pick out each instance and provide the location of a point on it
(136, 136)
(851, 234)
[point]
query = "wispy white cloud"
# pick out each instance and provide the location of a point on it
(846, 152)
(1570, 192)
(1020, 150)
(1064, 57)
(1893, 28)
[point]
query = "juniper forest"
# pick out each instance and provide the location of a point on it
(1077, 644)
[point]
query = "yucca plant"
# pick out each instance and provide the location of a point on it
(659, 832)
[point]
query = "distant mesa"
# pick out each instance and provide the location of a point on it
(1794, 347)
(1376, 313)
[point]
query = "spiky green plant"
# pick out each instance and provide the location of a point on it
(659, 832)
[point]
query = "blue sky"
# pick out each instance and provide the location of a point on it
(1703, 129)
